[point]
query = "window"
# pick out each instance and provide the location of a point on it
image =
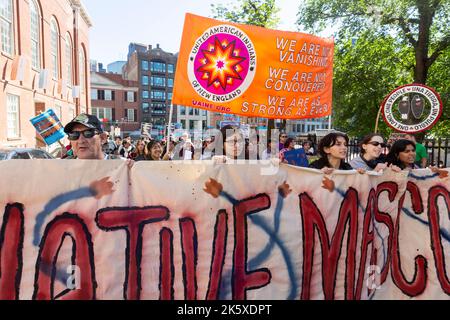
(130, 115)
(182, 110)
(144, 65)
(94, 94)
(145, 94)
(54, 48)
(183, 124)
(12, 116)
(196, 112)
(82, 64)
(145, 80)
(158, 67)
(109, 95)
(158, 81)
(169, 95)
(35, 35)
(145, 107)
(6, 26)
(203, 124)
(69, 60)
(204, 113)
(130, 96)
(58, 112)
(170, 83)
(102, 113)
(159, 95)
(191, 111)
(170, 68)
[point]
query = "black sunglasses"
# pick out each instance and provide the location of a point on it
(75, 135)
(376, 144)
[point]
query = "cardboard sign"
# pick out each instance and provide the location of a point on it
(252, 71)
(48, 126)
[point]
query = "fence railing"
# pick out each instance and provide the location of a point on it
(438, 151)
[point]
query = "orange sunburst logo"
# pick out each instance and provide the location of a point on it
(220, 65)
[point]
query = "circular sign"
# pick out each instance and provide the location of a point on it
(222, 63)
(412, 108)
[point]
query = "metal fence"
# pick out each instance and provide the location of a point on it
(438, 151)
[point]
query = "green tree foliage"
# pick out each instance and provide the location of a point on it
(362, 79)
(382, 44)
(262, 13)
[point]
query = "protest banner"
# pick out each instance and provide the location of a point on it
(168, 230)
(252, 71)
(48, 126)
(296, 157)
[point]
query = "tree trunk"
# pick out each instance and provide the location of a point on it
(426, 13)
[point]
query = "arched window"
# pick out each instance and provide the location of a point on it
(82, 66)
(7, 26)
(35, 35)
(69, 59)
(54, 48)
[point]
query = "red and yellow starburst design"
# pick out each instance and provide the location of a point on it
(221, 64)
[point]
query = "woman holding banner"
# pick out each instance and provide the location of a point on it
(155, 151)
(403, 155)
(333, 151)
(371, 157)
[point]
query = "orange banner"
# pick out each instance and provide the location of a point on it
(252, 71)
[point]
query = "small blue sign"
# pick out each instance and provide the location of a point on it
(48, 126)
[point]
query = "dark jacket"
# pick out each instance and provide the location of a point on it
(322, 162)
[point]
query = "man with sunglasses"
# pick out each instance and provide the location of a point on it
(86, 137)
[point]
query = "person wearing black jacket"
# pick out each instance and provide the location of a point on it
(333, 151)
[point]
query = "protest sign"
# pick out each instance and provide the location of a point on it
(296, 157)
(168, 230)
(48, 126)
(252, 71)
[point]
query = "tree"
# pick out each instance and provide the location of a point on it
(416, 30)
(422, 24)
(262, 13)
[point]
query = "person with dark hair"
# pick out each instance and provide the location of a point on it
(403, 154)
(155, 151)
(421, 151)
(233, 143)
(289, 145)
(332, 150)
(371, 157)
(307, 146)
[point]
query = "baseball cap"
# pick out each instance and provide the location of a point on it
(85, 119)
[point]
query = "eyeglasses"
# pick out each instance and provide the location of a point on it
(283, 136)
(376, 144)
(75, 135)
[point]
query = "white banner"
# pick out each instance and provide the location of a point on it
(170, 230)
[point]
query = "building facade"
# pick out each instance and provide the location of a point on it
(44, 61)
(115, 102)
(115, 67)
(154, 69)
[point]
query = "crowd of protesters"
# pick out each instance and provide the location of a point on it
(231, 144)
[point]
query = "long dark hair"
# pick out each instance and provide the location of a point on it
(149, 148)
(328, 141)
(399, 146)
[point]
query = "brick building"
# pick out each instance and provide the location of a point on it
(44, 62)
(115, 101)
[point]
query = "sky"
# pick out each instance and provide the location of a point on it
(116, 23)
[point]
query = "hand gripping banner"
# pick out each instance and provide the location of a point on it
(252, 71)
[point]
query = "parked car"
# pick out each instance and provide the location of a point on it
(24, 153)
